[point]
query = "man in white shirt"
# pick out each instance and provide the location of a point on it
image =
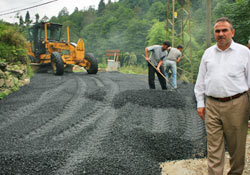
(224, 79)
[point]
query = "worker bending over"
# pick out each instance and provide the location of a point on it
(158, 54)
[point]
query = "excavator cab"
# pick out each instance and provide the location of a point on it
(37, 37)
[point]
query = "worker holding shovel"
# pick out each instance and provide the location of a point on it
(158, 53)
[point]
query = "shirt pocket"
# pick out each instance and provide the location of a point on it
(235, 70)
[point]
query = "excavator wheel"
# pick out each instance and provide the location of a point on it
(57, 63)
(92, 66)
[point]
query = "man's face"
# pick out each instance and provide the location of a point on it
(223, 34)
(164, 47)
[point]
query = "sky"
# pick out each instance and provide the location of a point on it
(50, 9)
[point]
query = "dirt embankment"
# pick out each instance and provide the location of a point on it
(12, 77)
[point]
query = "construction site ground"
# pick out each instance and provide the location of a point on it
(104, 124)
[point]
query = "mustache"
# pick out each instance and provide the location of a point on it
(221, 37)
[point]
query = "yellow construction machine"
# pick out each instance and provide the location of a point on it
(45, 47)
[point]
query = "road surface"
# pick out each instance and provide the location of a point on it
(104, 124)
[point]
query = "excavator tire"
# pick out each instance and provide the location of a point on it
(57, 63)
(92, 67)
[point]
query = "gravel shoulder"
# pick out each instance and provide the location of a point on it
(199, 166)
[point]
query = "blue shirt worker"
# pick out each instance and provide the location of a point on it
(222, 99)
(158, 53)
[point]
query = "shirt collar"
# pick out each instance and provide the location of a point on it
(231, 47)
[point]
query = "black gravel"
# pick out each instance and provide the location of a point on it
(149, 98)
(103, 124)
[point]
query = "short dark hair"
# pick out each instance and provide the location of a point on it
(179, 47)
(167, 43)
(224, 19)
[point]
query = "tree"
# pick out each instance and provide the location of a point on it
(27, 19)
(238, 13)
(37, 18)
(101, 8)
(63, 12)
(157, 11)
(135, 37)
(45, 19)
(21, 22)
(157, 33)
(208, 25)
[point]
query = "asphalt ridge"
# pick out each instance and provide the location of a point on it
(104, 124)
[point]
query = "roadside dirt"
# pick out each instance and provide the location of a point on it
(199, 166)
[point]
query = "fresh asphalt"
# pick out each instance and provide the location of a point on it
(104, 124)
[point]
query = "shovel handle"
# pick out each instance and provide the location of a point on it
(156, 69)
(159, 72)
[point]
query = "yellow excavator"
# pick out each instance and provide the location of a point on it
(45, 47)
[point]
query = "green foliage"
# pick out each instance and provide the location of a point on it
(239, 13)
(130, 26)
(128, 59)
(157, 11)
(135, 38)
(133, 69)
(30, 72)
(28, 21)
(5, 93)
(12, 44)
(157, 33)
(101, 8)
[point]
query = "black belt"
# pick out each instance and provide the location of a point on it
(225, 99)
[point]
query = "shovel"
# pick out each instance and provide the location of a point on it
(161, 74)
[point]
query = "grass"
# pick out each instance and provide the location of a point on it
(133, 69)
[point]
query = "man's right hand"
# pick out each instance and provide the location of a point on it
(201, 112)
(147, 59)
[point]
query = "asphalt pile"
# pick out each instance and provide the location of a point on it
(150, 98)
(104, 124)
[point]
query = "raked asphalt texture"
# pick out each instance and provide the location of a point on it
(104, 124)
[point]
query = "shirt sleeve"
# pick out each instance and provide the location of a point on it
(199, 88)
(164, 54)
(151, 48)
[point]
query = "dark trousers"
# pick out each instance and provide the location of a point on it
(151, 77)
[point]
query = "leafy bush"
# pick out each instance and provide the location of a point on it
(12, 45)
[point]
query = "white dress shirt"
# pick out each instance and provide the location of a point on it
(223, 73)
